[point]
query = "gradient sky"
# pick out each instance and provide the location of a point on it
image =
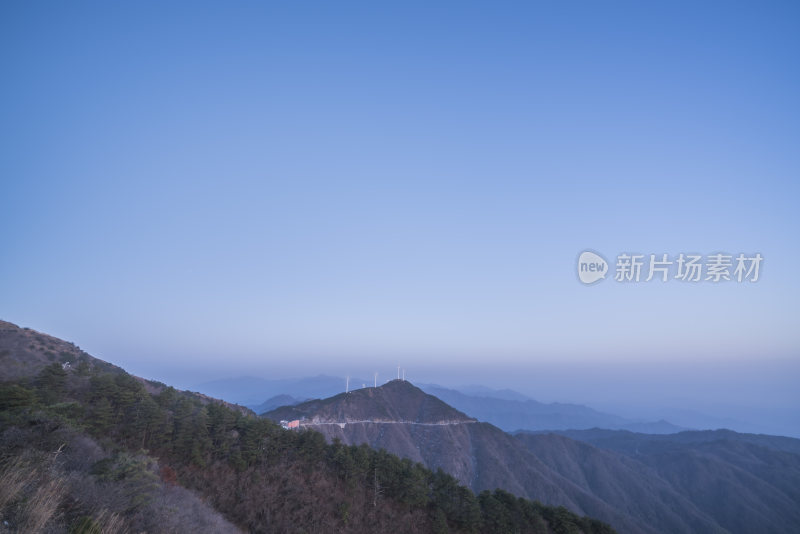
(302, 187)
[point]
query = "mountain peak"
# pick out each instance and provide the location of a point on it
(397, 401)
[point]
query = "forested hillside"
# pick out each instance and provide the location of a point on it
(87, 447)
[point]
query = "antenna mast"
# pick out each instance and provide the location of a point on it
(347, 385)
(376, 378)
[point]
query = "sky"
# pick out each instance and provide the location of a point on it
(196, 190)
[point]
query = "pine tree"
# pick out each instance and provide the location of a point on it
(102, 416)
(51, 383)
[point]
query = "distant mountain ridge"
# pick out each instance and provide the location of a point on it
(633, 443)
(507, 409)
(275, 402)
(619, 485)
(253, 391)
(512, 411)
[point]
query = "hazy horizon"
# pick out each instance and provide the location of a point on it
(743, 395)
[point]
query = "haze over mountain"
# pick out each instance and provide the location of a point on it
(632, 494)
(506, 409)
(275, 402)
(510, 411)
(253, 391)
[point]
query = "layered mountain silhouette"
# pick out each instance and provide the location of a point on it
(76, 428)
(507, 409)
(684, 482)
(251, 391)
(512, 411)
(275, 402)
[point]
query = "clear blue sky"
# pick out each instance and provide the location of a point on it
(300, 187)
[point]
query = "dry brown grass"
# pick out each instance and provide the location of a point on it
(15, 476)
(32, 491)
(42, 505)
(110, 523)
